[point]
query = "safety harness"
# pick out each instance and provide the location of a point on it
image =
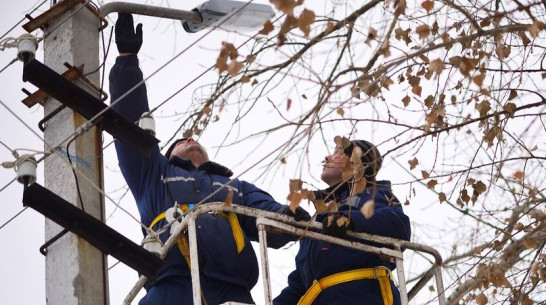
(382, 274)
(183, 242)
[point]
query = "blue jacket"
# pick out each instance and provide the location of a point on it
(156, 183)
(318, 259)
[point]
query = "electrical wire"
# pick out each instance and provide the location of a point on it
(9, 64)
(74, 172)
(50, 147)
(7, 147)
(12, 218)
(87, 125)
(23, 19)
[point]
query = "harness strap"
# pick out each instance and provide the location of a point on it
(382, 274)
(235, 230)
(233, 222)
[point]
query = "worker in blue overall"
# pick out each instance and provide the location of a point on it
(330, 274)
(185, 176)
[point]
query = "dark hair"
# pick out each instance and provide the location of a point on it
(170, 150)
(371, 158)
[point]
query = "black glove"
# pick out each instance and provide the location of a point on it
(336, 225)
(127, 40)
(300, 214)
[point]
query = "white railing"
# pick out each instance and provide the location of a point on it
(392, 249)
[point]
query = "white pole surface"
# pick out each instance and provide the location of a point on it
(75, 270)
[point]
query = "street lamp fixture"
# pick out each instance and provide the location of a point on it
(224, 14)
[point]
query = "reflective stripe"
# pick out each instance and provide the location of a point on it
(352, 202)
(173, 179)
(382, 274)
(235, 190)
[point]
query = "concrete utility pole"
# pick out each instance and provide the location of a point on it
(76, 272)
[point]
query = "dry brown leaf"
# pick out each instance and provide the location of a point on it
(432, 183)
(207, 110)
(295, 199)
(221, 62)
(406, 101)
(367, 209)
(400, 6)
(518, 175)
(358, 187)
(536, 27)
(442, 197)
(286, 6)
(481, 299)
(483, 108)
(234, 67)
(343, 221)
(429, 101)
(436, 66)
(268, 28)
(413, 163)
(423, 31)
(403, 35)
(478, 79)
(305, 20)
(321, 207)
(250, 58)
(340, 112)
(416, 90)
(510, 108)
(295, 185)
(428, 5)
(372, 34)
(348, 170)
(425, 174)
(307, 194)
(530, 243)
(245, 79)
(342, 142)
(479, 187)
(386, 82)
(288, 104)
(503, 51)
(513, 95)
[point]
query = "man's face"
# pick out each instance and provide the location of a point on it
(333, 167)
(190, 149)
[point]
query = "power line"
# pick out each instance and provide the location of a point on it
(23, 19)
(12, 218)
(55, 150)
(9, 64)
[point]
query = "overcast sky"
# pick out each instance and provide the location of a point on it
(21, 264)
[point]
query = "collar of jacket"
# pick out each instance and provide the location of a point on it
(210, 167)
(342, 190)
